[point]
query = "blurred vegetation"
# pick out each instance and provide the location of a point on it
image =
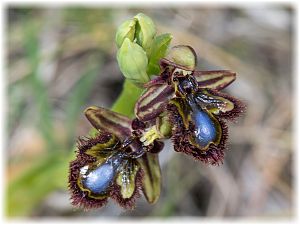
(62, 60)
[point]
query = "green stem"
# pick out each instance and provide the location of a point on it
(127, 99)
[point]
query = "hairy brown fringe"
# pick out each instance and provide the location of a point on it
(128, 203)
(79, 197)
(180, 138)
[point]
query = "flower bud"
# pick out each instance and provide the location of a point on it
(125, 30)
(183, 55)
(145, 31)
(133, 62)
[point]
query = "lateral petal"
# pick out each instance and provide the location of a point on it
(214, 79)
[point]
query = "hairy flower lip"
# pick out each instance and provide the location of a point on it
(183, 135)
(78, 197)
(181, 140)
(84, 197)
(81, 199)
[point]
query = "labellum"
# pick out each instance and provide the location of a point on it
(97, 177)
(205, 127)
(95, 173)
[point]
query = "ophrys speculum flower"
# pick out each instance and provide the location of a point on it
(101, 170)
(114, 163)
(196, 109)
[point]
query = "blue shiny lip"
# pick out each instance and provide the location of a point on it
(205, 129)
(99, 179)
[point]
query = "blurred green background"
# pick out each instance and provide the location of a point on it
(60, 60)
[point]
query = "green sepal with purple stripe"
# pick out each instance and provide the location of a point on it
(151, 183)
(214, 79)
(109, 121)
(153, 101)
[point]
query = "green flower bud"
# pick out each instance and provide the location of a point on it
(183, 55)
(145, 31)
(125, 30)
(133, 61)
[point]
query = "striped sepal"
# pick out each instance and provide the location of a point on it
(109, 121)
(214, 79)
(152, 103)
(152, 176)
